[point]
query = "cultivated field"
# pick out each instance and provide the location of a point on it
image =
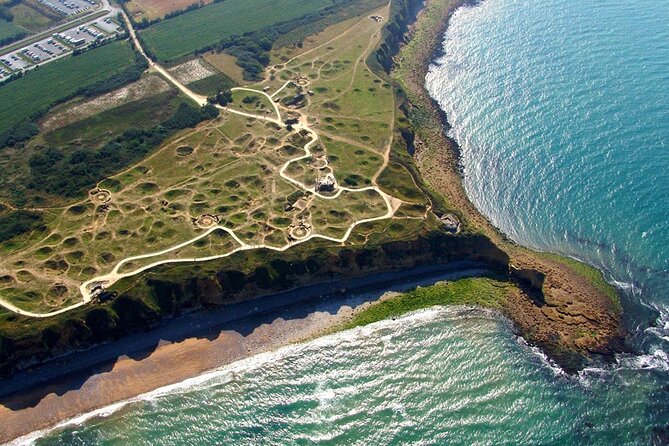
(242, 181)
(60, 79)
(226, 64)
(182, 35)
(156, 9)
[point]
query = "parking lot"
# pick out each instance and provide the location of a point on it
(68, 7)
(57, 45)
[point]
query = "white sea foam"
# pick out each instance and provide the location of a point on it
(230, 372)
(543, 358)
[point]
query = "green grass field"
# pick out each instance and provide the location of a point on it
(60, 79)
(211, 85)
(29, 18)
(182, 35)
(9, 29)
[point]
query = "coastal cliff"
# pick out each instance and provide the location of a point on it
(142, 303)
(562, 306)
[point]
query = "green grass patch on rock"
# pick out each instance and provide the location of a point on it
(482, 292)
(591, 273)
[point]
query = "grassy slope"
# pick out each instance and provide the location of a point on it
(41, 88)
(211, 85)
(188, 32)
(474, 291)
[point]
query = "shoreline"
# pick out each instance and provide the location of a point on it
(198, 349)
(194, 344)
(564, 296)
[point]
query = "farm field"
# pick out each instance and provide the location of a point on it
(226, 64)
(157, 9)
(61, 79)
(184, 34)
(241, 181)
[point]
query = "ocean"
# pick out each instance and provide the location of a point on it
(562, 112)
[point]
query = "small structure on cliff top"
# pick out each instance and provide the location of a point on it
(100, 196)
(326, 183)
(205, 221)
(451, 223)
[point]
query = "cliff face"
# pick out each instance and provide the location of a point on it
(164, 295)
(402, 14)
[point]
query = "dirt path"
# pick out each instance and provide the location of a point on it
(92, 287)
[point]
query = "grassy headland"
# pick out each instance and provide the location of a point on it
(483, 292)
(557, 305)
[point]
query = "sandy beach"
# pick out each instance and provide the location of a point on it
(191, 345)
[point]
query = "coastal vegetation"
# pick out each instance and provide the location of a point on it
(17, 223)
(62, 131)
(482, 292)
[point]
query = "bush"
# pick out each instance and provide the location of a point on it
(221, 98)
(20, 132)
(6, 14)
(17, 223)
(69, 176)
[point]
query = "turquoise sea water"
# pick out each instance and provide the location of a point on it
(562, 111)
(440, 376)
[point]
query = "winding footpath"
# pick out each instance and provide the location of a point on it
(92, 287)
